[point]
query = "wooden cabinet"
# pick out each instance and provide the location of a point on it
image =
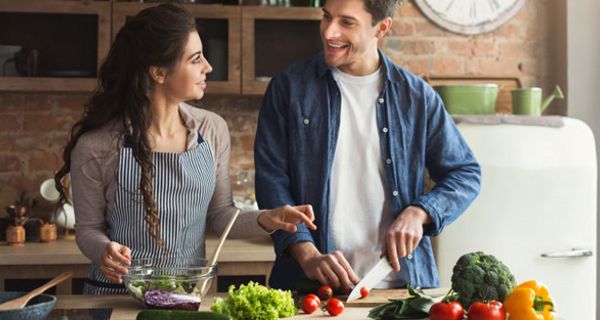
(62, 43)
(245, 44)
(274, 37)
(219, 27)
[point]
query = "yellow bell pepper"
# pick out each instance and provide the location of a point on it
(530, 301)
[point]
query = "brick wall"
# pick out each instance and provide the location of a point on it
(33, 126)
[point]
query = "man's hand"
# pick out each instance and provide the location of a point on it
(404, 235)
(331, 269)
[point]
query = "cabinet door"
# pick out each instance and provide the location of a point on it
(219, 28)
(60, 44)
(273, 38)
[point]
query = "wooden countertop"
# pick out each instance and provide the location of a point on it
(66, 252)
(125, 308)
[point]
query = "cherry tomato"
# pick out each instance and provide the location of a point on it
(314, 296)
(363, 292)
(335, 307)
(310, 303)
(492, 310)
(446, 311)
(325, 292)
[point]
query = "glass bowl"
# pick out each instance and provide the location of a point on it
(169, 282)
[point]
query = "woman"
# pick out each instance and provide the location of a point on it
(148, 171)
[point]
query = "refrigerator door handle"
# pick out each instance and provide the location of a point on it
(575, 253)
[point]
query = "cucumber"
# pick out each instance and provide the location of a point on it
(154, 314)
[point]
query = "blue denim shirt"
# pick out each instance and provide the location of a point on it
(295, 143)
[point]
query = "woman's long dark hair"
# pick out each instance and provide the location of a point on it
(156, 36)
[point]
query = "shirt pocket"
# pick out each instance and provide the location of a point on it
(308, 134)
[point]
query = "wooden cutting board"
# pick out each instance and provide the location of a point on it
(381, 296)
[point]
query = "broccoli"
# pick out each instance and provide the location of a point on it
(479, 277)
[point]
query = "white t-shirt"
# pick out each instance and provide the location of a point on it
(360, 207)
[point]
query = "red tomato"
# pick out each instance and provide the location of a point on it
(325, 292)
(363, 292)
(492, 310)
(310, 303)
(446, 311)
(335, 307)
(314, 296)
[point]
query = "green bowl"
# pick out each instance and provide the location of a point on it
(469, 99)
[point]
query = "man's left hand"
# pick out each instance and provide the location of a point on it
(404, 235)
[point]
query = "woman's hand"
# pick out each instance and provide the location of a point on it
(286, 217)
(114, 257)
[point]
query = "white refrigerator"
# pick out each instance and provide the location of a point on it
(536, 211)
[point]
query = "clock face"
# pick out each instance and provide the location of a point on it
(470, 16)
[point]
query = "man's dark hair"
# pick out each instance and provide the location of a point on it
(381, 9)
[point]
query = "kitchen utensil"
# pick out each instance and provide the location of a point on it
(528, 101)
(38, 308)
(373, 277)
(8, 67)
(65, 217)
(156, 282)
(22, 301)
(48, 190)
(469, 99)
(213, 260)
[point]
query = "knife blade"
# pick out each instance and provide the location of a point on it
(371, 279)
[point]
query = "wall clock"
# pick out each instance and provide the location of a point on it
(470, 16)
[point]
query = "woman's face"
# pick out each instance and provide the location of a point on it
(188, 80)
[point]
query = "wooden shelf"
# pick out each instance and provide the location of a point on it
(47, 84)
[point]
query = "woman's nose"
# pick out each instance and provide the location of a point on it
(208, 68)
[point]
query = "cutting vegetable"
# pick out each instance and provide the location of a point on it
(353, 134)
(150, 172)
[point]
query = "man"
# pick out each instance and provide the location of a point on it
(351, 133)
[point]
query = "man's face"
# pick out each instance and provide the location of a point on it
(349, 37)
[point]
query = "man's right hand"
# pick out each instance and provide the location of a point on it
(331, 269)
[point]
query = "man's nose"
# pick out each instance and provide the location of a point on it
(331, 31)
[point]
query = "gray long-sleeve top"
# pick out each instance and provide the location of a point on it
(94, 165)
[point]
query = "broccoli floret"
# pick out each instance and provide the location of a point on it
(478, 277)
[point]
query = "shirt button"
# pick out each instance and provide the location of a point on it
(395, 193)
(388, 161)
(381, 100)
(385, 130)
(409, 257)
(306, 121)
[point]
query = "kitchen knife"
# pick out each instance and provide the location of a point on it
(373, 277)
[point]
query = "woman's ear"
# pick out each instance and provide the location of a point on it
(383, 27)
(158, 74)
